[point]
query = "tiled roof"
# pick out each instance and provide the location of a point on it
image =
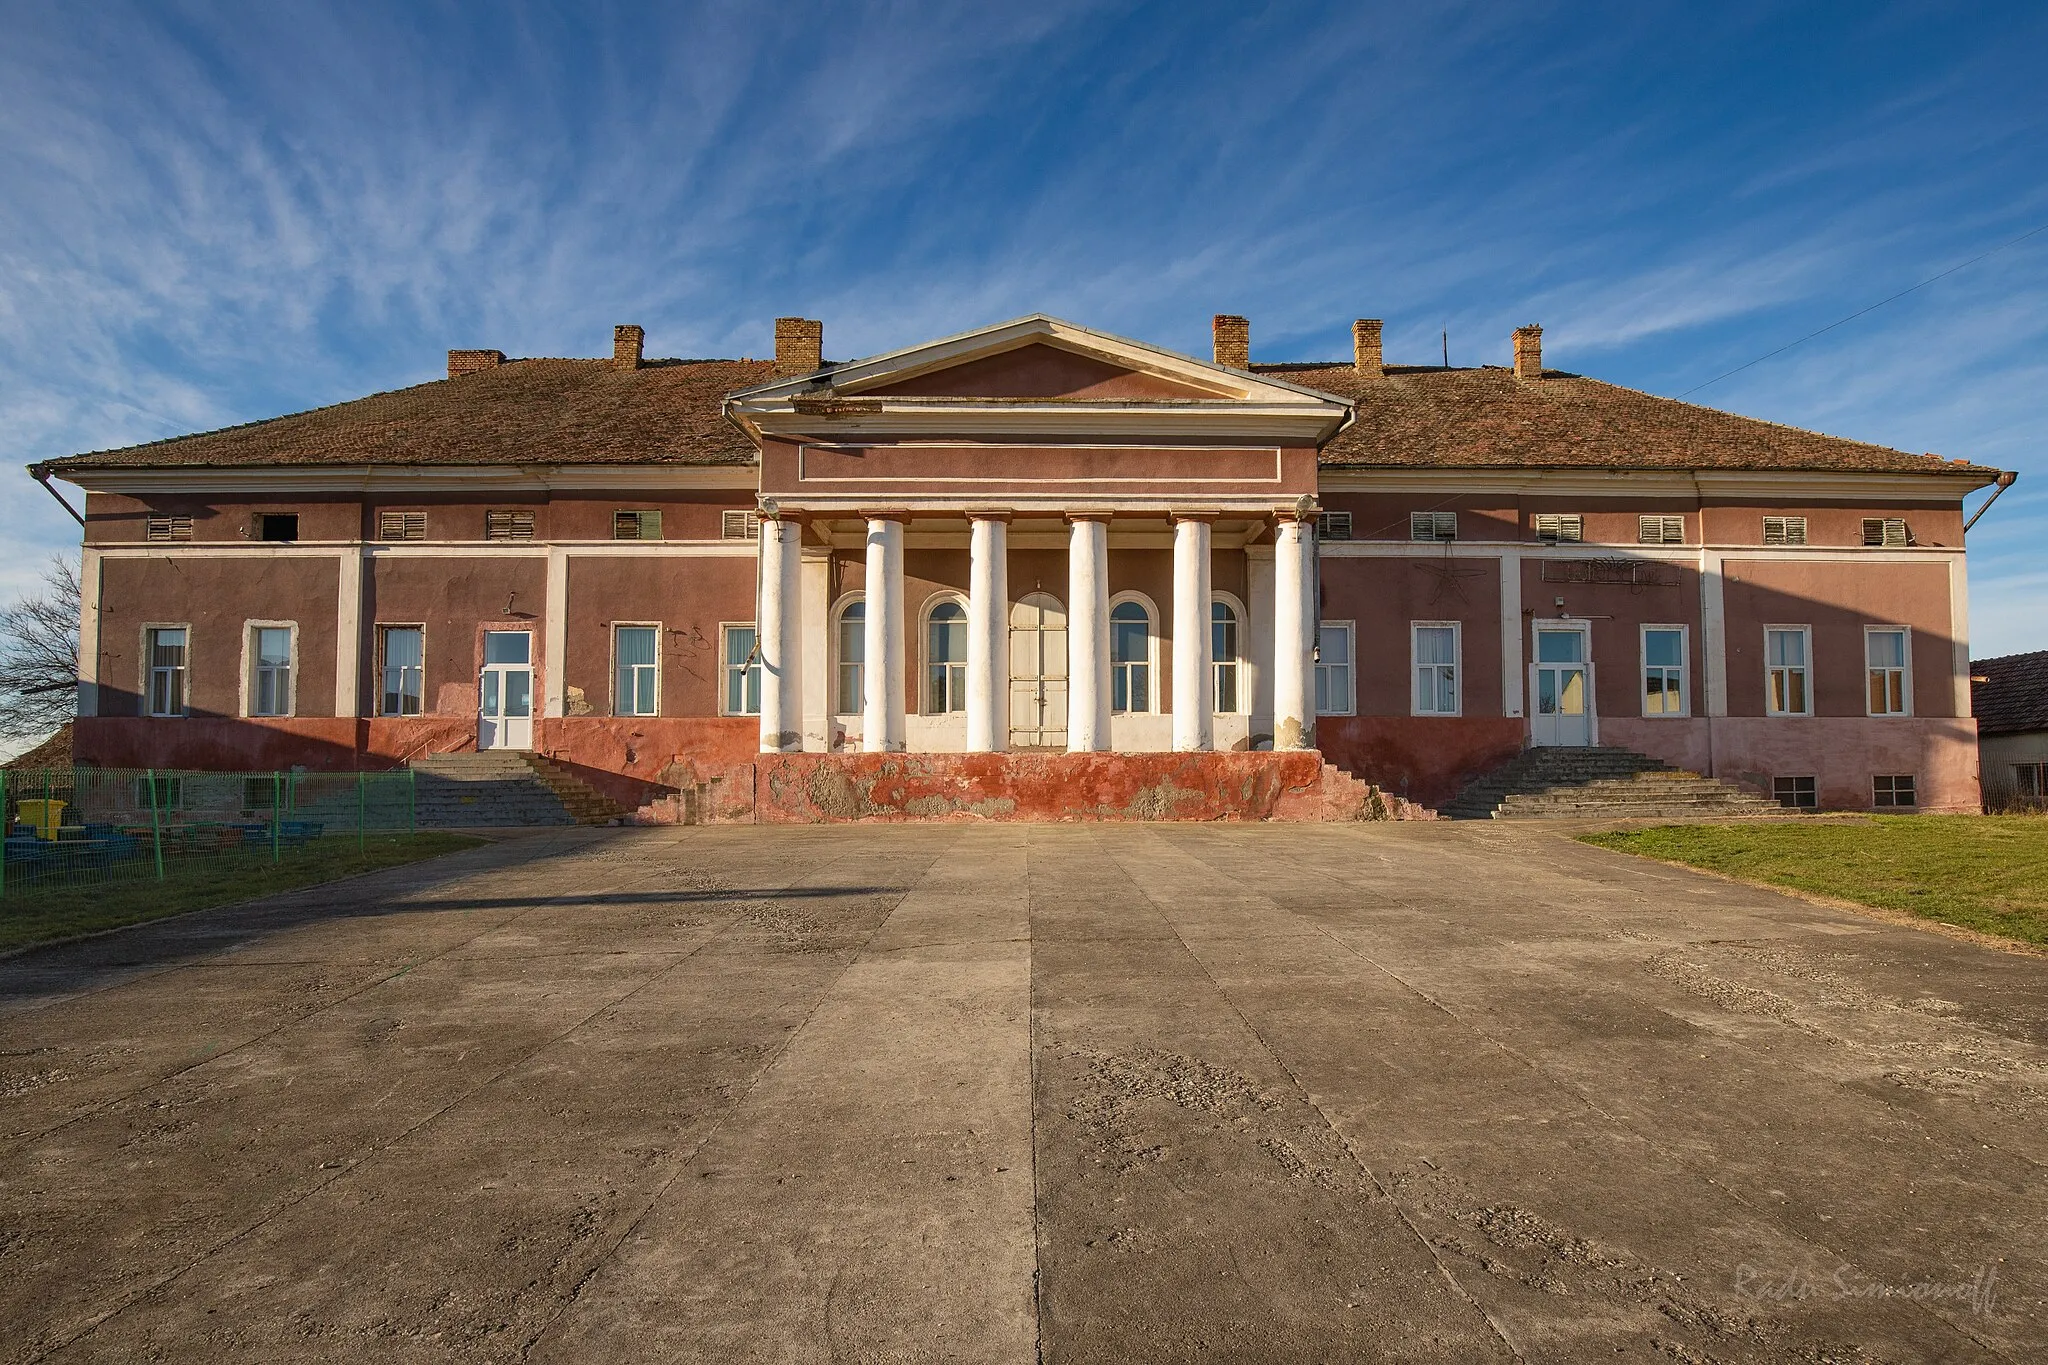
(1488, 418)
(54, 752)
(521, 412)
(669, 412)
(2013, 698)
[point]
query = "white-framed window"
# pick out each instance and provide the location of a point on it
(270, 647)
(945, 656)
(1796, 793)
(1432, 526)
(1664, 671)
(849, 657)
(1893, 791)
(636, 670)
(1888, 672)
(1784, 530)
(1226, 633)
(1660, 529)
(164, 655)
(401, 655)
(1553, 528)
(1434, 649)
(1788, 668)
(1334, 693)
(741, 695)
(1130, 655)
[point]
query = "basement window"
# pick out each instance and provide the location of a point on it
(282, 526)
(1660, 530)
(1432, 526)
(739, 525)
(401, 526)
(1554, 527)
(160, 527)
(508, 525)
(636, 525)
(1784, 530)
(1887, 532)
(1333, 526)
(1892, 791)
(1796, 793)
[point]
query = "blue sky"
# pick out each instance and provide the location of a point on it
(211, 214)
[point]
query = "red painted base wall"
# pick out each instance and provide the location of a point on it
(1424, 758)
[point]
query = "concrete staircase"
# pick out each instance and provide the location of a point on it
(501, 789)
(1349, 798)
(1600, 784)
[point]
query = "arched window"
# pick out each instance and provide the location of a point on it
(1130, 657)
(945, 658)
(1223, 638)
(850, 668)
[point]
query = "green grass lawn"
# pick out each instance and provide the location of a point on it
(31, 913)
(1983, 872)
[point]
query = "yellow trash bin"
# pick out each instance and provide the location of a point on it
(45, 816)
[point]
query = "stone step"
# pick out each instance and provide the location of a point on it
(1592, 783)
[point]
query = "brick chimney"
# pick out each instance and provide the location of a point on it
(1365, 347)
(1233, 341)
(469, 362)
(626, 342)
(799, 346)
(1529, 352)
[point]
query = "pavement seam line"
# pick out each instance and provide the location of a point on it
(768, 1064)
(1294, 1080)
(1618, 1122)
(149, 1291)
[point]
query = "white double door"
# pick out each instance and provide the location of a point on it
(504, 717)
(1561, 686)
(1038, 673)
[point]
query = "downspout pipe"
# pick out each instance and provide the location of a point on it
(41, 475)
(2006, 479)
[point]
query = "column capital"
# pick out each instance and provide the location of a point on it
(1089, 515)
(981, 514)
(896, 514)
(1206, 518)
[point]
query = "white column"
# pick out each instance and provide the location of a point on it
(348, 635)
(779, 636)
(1259, 606)
(1194, 684)
(1088, 636)
(882, 697)
(1294, 637)
(555, 638)
(1713, 633)
(1512, 666)
(988, 637)
(816, 628)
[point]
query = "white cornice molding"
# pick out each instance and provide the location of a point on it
(1816, 485)
(272, 480)
(973, 419)
(1670, 554)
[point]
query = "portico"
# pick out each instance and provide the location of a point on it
(1036, 536)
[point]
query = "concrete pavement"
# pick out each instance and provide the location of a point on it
(1091, 1092)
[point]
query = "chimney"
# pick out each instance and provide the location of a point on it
(1233, 341)
(469, 362)
(799, 346)
(626, 343)
(1529, 352)
(1365, 347)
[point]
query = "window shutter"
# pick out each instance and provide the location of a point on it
(1432, 525)
(1553, 527)
(1885, 531)
(1784, 530)
(508, 525)
(401, 525)
(168, 528)
(1333, 526)
(636, 525)
(736, 525)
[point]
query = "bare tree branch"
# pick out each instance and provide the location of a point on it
(39, 655)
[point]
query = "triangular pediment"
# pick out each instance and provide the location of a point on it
(1040, 370)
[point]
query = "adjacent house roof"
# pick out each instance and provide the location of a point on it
(571, 412)
(2009, 695)
(1487, 418)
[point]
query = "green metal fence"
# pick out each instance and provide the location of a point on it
(77, 826)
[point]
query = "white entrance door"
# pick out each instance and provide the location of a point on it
(1561, 685)
(1038, 673)
(505, 697)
